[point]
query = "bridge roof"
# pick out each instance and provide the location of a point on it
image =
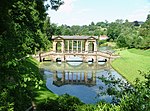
(75, 37)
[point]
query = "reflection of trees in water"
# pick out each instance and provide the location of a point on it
(114, 87)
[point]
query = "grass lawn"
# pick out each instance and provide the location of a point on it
(42, 94)
(131, 62)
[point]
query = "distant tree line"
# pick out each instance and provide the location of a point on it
(100, 28)
(130, 35)
(126, 34)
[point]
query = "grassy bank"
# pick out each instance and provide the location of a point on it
(42, 94)
(131, 62)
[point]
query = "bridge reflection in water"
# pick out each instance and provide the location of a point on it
(74, 78)
(81, 81)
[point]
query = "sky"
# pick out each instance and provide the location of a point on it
(83, 12)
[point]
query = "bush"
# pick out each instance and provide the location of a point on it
(102, 42)
(139, 98)
(62, 103)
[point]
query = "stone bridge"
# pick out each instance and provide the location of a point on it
(82, 47)
(83, 57)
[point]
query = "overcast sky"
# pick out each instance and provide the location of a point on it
(83, 12)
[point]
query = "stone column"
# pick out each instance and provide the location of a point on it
(63, 77)
(54, 46)
(86, 46)
(55, 76)
(80, 77)
(72, 46)
(85, 77)
(62, 46)
(93, 77)
(95, 46)
(68, 46)
(81, 46)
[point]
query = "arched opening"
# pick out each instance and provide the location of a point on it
(74, 60)
(58, 59)
(90, 61)
(58, 47)
(91, 47)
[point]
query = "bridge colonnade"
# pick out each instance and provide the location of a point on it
(84, 47)
(71, 45)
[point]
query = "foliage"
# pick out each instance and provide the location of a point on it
(126, 34)
(62, 103)
(139, 99)
(130, 34)
(145, 34)
(114, 29)
(128, 38)
(101, 106)
(101, 42)
(17, 88)
(55, 4)
(92, 30)
(21, 33)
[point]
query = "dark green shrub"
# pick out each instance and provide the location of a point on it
(139, 98)
(62, 103)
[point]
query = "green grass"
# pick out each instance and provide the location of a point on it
(140, 52)
(131, 62)
(43, 94)
(32, 64)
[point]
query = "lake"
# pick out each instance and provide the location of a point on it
(87, 81)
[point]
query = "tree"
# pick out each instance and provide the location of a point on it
(136, 23)
(55, 4)
(47, 27)
(114, 29)
(139, 98)
(145, 34)
(75, 29)
(21, 33)
(148, 17)
(101, 24)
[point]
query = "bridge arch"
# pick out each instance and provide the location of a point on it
(58, 46)
(91, 47)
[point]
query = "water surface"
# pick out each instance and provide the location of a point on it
(81, 80)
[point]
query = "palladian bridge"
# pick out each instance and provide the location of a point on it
(83, 47)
